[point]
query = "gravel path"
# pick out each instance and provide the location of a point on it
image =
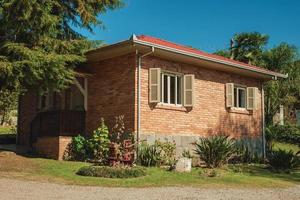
(27, 190)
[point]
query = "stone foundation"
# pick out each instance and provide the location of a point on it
(185, 142)
(52, 147)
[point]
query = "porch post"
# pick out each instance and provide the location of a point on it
(83, 90)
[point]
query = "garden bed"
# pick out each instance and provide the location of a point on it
(112, 172)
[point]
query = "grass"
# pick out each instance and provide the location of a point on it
(13, 166)
(286, 146)
(5, 130)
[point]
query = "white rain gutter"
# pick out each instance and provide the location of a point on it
(263, 121)
(139, 92)
(273, 74)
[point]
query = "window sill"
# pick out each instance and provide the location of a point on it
(170, 107)
(240, 111)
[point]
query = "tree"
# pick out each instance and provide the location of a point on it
(283, 59)
(251, 48)
(248, 47)
(39, 46)
(8, 102)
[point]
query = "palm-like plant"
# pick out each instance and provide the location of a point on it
(215, 150)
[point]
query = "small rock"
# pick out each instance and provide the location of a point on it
(184, 165)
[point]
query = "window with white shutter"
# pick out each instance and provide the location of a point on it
(251, 98)
(188, 90)
(229, 95)
(154, 85)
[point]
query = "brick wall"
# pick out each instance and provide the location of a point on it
(26, 113)
(209, 114)
(52, 147)
(111, 92)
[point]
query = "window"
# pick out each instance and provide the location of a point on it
(239, 97)
(171, 89)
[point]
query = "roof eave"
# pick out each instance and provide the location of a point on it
(273, 75)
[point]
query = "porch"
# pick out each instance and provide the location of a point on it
(61, 113)
(58, 123)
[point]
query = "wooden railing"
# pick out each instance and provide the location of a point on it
(58, 123)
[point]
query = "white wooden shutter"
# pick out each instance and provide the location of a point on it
(188, 90)
(251, 98)
(154, 85)
(229, 95)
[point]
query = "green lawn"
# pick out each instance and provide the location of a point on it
(5, 130)
(286, 146)
(12, 166)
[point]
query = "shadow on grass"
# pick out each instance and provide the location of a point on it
(265, 172)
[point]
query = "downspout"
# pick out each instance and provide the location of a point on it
(139, 94)
(263, 120)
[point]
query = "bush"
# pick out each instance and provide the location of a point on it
(283, 161)
(283, 133)
(157, 154)
(99, 143)
(96, 148)
(77, 149)
(245, 155)
(186, 154)
(112, 172)
(215, 150)
(149, 155)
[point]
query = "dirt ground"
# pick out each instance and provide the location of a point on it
(29, 190)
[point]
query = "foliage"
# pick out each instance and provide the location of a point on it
(287, 133)
(149, 155)
(209, 173)
(283, 161)
(248, 47)
(120, 151)
(77, 149)
(112, 172)
(8, 102)
(286, 146)
(168, 151)
(284, 91)
(215, 150)
(157, 154)
(100, 142)
(245, 155)
(94, 149)
(39, 46)
(251, 48)
(186, 154)
(40, 169)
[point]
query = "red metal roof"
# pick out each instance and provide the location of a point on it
(165, 43)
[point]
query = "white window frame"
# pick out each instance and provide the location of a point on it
(169, 75)
(236, 98)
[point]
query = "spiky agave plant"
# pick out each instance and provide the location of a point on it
(215, 150)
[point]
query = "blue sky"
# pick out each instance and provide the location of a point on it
(204, 24)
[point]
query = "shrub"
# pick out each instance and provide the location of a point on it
(149, 155)
(245, 155)
(112, 172)
(283, 161)
(284, 133)
(168, 151)
(96, 148)
(77, 149)
(209, 173)
(186, 154)
(215, 150)
(100, 143)
(157, 154)
(122, 147)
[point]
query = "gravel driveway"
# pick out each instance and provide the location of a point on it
(16, 189)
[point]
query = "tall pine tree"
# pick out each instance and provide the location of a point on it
(39, 46)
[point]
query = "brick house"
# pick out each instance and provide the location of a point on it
(164, 90)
